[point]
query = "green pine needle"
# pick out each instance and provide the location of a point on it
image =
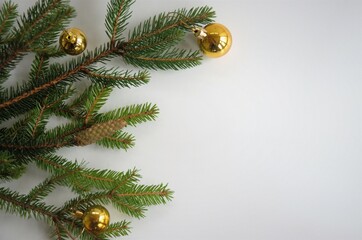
(171, 59)
(9, 167)
(15, 203)
(43, 21)
(119, 140)
(117, 229)
(162, 26)
(96, 96)
(118, 12)
(8, 14)
(38, 68)
(133, 115)
(115, 77)
(150, 44)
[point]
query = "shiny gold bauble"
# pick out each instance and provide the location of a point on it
(73, 41)
(214, 40)
(96, 219)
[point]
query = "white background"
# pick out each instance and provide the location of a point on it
(262, 144)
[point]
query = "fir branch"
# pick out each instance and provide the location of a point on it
(36, 14)
(97, 96)
(55, 101)
(74, 110)
(131, 201)
(133, 115)
(149, 44)
(117, 229)
(164, 22)
(44, 19)
(49, 52)
(58, 166)
(114, 77)
(36, 29)
(182, 60)
(38, 121)
(9, 59)
(119, 140)
(64, 133)
(53, 164)
(43, 189)
(34, 149)
(58, 232)
(88, 178)
(13, 100)
(62, 231)
(129, 179)
(50, 31)
(171, 59)
(158, 39)
(26, 139)
(131, 209)
(33, 124)
(106, 179)
(56, 80)
(159, 43)
(125, 196)
(147, 195)
(13, 202)
(9, 167)
(39, 67)
(8, 14)
(118, 12)
(84, 201)
(24, 129)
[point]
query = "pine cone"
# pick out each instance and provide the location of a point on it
(98, 131)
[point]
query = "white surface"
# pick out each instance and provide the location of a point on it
(262, 144)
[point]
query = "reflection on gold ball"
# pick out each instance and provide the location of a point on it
(96, 219)
(73, 41)
(217, 41)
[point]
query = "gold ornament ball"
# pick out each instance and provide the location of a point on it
(96, 219)
(216, 41)
(73, 41)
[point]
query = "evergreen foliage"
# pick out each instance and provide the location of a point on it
(26, 109)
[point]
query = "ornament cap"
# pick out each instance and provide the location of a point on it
(200, 32)
(78, 214)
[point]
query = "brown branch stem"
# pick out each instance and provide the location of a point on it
(88, 116)
(38, 119)
(33, 147)
(26, 205)
(57, 79)
(116, 24)
(133, 174)
(6, 17)
(180, 23)
(19, 50)
(81, 172)
(161, 193)
(171, 59)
